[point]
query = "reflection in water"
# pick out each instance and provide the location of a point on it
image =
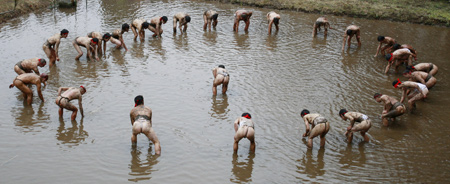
(350, 158)
(141, 168)
(157, 48)
(89, 69)
(241, 41)
(72, 136)
(309, 166)
(211, 37)
(271, 41)
(25, 117)
(219, 107)
(319, 42)
(242, 171)
(181, 41)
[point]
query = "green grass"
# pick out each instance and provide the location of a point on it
(430, 12)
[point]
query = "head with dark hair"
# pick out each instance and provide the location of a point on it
(396, 83)
(276, 20)
(84, 89)
(244, 16)
(187, 18)
(106, 36)
(380, 38)
(64, 32)
(396, 46)
(376, 95)
(145, 25)
(410, 68)
(44, 76)
(94, 40)
(407, 73)
(349, 32)
(389, 57)
(138, 100)
(342, 112)
(42, 62)
(246, 115)
(125, 27)
(304, 112)
(164, 18)
(222, 66)
(214, 17)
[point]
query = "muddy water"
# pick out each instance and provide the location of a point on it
(272, 77)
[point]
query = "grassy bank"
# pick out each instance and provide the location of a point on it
(429, 12)
(13, 8)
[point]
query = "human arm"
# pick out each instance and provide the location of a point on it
(36, 70)
(306, 126)
(122, 42)
(96, 52)
(270, 26)
(104, 47)
(80, 104)
(343, 42)
(61, 89)
(236, 125)
(236, 23)
(403, 95)
(378, 50)
(131, 117)
(387, 67)
(175, 20)
(56, 49)
(38, 86)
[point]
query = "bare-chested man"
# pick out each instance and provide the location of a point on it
(221, 76)
(243, 15)
(422, 77)
(425, 67)
(398, 57)
(273, 18)
(321, 21)
(384, 40)
(362, 127)
(210, 16)
(405, 46)
(183, 19)
(155, 25)
(138, 27)
(418, 92)
(319, 127)
(349, 33)
(244, 128)
(23, 80)
(141, 120)
(63, 100)
(117, 36)
(102, 38)
(89, 43)
(51, 46)
(29, 65)
(392, 108)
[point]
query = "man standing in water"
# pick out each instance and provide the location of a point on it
(422, 77)
(210, 16)
(155, 25)
(319, 126)
(392, 108)
(102, 38)
(244, 128)
(138, 27)
(221, 76)
(183, 18)
(117, 36)
(51, 46)
(63, 100)
(23, 80)
(29, 65)
(417, 90)
(273, 18)
(398, 57)
(362, 127)
(321, 21)
(243, 15)
(351, 31)
(89, 43)
(384, 40)
(141, 120)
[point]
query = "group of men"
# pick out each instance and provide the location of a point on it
(420, 76)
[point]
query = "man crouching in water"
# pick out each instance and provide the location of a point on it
(244, 128)
(141, 120)
(221, 76)
(63, 100)
(392, 107)
(320, 126)
(362, 127)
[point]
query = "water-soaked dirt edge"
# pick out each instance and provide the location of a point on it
(24, 7)
(352, 10)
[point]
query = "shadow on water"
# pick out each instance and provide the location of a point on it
(242, 170)
(219, 107)
(312, 168)
(140, 169)
(71, 136)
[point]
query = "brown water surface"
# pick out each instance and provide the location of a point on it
(273, 77)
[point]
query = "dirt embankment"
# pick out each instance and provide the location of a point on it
(429, 12)
(13, 8)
